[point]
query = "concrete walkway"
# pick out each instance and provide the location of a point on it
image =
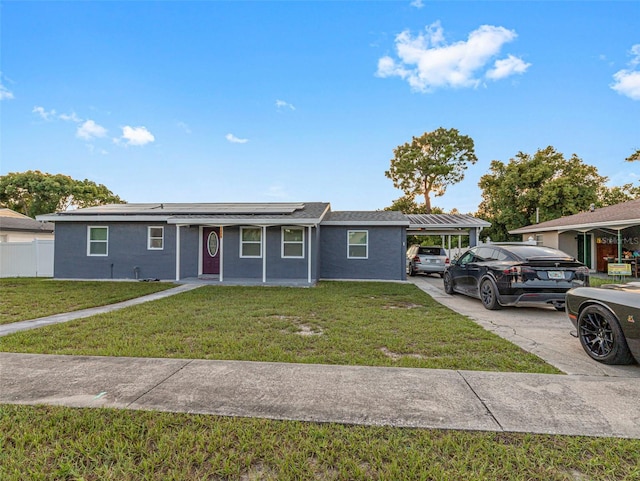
(92, 311)
(593, 405)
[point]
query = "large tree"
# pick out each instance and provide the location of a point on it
(536, 188)
(430, 163)
(633, 157)
(33, 193)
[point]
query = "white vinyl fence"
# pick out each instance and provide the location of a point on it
(26, 259)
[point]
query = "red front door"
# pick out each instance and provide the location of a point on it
(211, 250)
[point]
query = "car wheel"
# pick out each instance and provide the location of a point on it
(489, 295)
(601, 336)
(447, 280)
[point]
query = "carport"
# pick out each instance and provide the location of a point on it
(447, 226)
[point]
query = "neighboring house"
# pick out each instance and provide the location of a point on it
(26, 246)
(263, 243)
(15, 227)
(595, 237)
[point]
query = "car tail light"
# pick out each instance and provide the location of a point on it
(519, 271)
(416, 259)
(582, 270)
(447, 261)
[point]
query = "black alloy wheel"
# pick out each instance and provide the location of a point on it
(601, 336)
(489, 295)
(447, 280)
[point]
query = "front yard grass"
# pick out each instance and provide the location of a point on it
(347, 323)
(22, 299)
(57, 443)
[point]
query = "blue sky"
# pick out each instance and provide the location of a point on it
(212, 101)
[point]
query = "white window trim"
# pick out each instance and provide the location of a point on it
(149, 237)
(242, 242)
(349, 232)
(283, 242)
(89, 241)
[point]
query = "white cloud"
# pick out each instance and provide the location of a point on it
(428, 62)
(235, 140)
(277, 191)
(627, 81)
(184, 127)
(5, 94)
(417, 3)
(90, 130)
(137, 135)
(72, 117)
(507, 67)
(280, 104)
(44, 115)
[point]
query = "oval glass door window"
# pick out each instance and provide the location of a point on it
(213, 244)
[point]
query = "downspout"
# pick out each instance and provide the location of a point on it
(584, 249)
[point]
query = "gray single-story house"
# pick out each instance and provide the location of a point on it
(262, 243)
(250, 242)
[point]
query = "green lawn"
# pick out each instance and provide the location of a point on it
(56, 443)
(341, 323)
(349, 323)
(28, 298)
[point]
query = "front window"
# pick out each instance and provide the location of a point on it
(250, 242)
(293, 242)
(155, 238)
(98, 241)
(357, 244)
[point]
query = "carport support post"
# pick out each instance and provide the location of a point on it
(177, 252)
(619, 245)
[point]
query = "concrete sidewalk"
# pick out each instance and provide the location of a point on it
(424, 398)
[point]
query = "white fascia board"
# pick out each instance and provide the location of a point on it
(622, 224)
(230, 221)
(103, 218)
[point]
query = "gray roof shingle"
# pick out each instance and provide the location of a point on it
(627, 213)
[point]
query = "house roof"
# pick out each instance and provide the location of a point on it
(16, 222)
(271, 213)
(438, 224)
(619, 216)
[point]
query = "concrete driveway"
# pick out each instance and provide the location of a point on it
(543, 331)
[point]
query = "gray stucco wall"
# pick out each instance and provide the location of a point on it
(386, 256)
(128, 256)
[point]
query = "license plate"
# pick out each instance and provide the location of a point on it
(555, 274)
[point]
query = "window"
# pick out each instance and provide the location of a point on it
(250, 242)
(293, 242)
(155, 238)
(357, 244)
(97, 241)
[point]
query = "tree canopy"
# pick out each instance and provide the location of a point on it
(430, 163)
(541, 187)
(33, 193)
(633, 157)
